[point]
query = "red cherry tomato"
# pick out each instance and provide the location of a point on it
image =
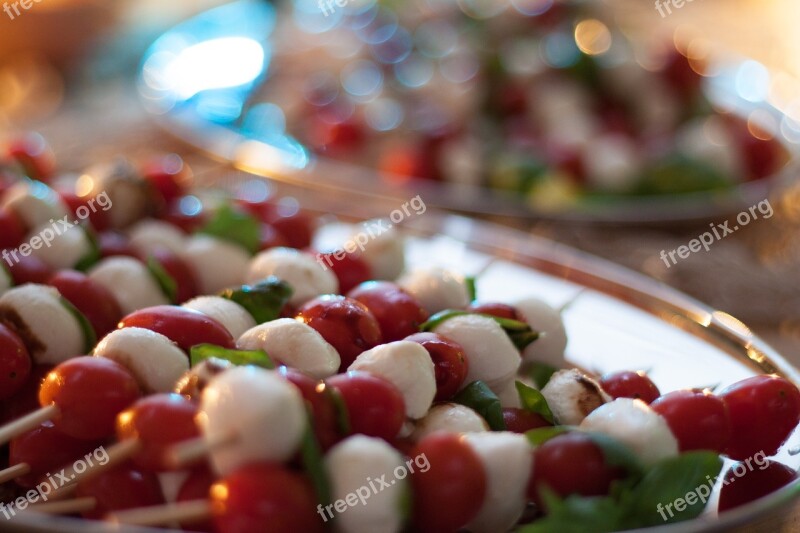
(345, 323)
(449, 362)
(168, 176)
(271, 238)
(123, 487)
(184, 327)
(12, 231)
(571, 464)
(29, 269)
(179, 271)
(112, 243)
(743, 484)
(323, 408)
(350, 270)
(398, 313)
(764, 411)
(97, 217)
(158, 421)
(15, 363)
(296, 227)
(190, 218)
(682, 78)
(628, 384)
(90, 392)
(451, 492)
(698, 419)
(494, 309)
(520, 420)
(35, 155)
(375, 407)
(97, 304)
(197, 487)
(260, 494)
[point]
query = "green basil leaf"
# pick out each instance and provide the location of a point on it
(541, 373)
(539, 436)
(264, 300)
(167, 283)
(534, 401)
(577, 515)
(94, 255)
(311, 454)
(89, 335)
(479, 397)
(342, 416)
(234, 226)
(472, 289)
(440, 318)
(617, 454)
(201, 352)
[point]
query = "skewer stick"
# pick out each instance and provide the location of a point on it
(78, 505)
(118, 453)
(159, 515)
(14, 472)
(193, 450)
(27, 422)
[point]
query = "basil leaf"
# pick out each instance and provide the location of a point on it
(440, 318)
(201, 352)
(616, 453)
(520, 333)
(342, 416)
(577, 515)
(472, 289)
(534, 401)
(541, 373)
(264, 300)
(234, 226)
(167, 283)
(93, 256)
(539, 436)
(311, 456)
(89, 335)
(479, 397)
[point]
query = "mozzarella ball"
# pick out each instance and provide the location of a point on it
(509, 396)
(437, 289)
(50, 331)
(217, 264)
(449, 417)
(59, 251)
(293, 344)
(263, 414)
(307, 276)
(491, 355)
(552, 342)
(155, 361)
(408, 366)
(233, 317)
(118, 186)
(130, 282)
(507, 459)
(385, 251)
(150, 235)
(354, 466)
(571, 396)
(710, 141)
(635, 424)
(34, 203)
(612, 162)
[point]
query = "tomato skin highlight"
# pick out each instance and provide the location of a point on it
(450, 364)
(698, 419)
(758, 481)
(627, 384)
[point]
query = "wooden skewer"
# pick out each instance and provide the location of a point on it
(193, 450)
(78, 505)
(27, 422)
(118, 453)
(15, 471)
(159, 515)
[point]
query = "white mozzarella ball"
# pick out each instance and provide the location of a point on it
(34, 203)
(408, 366)
(710, 141)
(612, 162)
(118, 186)
(155, 361)
(5, 279)
(437, 289)
(552, 342)
(507, 458)
(59, 251)
(217, 264)
(307, 276)
(130, 282)
(50, 331)
(635, 424)
(233, 317)
(354, 466)
(509, 396)
(491, 355)
(293, 344)
(261, 415)
(150, 235)
(449, 417)
(384, 250)
(571, 396)
(192, 383)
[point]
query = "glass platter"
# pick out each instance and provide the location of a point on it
(615, 319)
(196, 92)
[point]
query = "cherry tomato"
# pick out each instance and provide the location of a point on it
(628, 384)
(98, 218)
(698, 419)
(494, 309)
(90, 392)
(158, 421)
(764, 411)
(35, 155)
(350, 270)
(15, 363)
(12, 230)
(179, 271)
(375, 407)
(345, 323)
(29, 269)
(323, 408)
(168, 176)
(184, 327)
(262, 493)
(449, 362)
(186, 213)
(451, 492)
(681, 76)
(271, 238)
(120, 488)
(743, 484)
(296, 227)
(112, 244)
(97, 304)
(197, 487)
(398, 313)
(520, 420)
(571, 464)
